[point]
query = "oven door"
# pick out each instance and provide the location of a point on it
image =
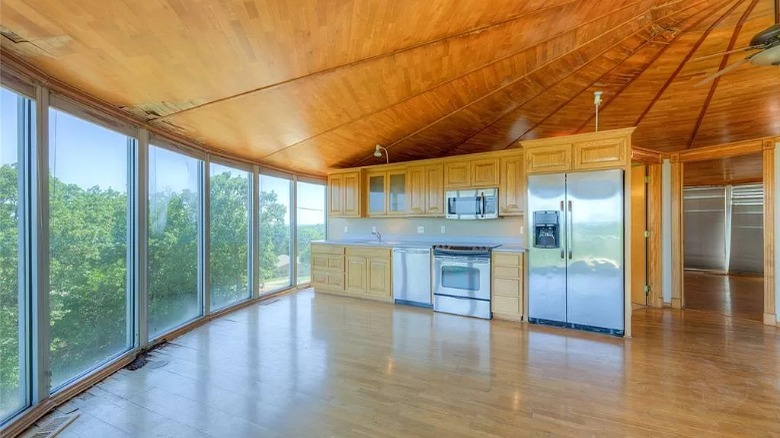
(462, 276)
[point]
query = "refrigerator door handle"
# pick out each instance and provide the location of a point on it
(570, 231)
(565, 230)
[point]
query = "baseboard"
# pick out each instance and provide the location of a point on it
(676, 303)
(771, 319)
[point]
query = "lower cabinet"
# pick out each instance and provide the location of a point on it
(363, 272)
(507, 288)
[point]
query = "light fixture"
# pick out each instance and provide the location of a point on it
(378, 152)
(597, 102)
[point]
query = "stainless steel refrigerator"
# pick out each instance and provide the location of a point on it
(575, 257)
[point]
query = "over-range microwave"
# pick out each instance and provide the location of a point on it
(472, 204)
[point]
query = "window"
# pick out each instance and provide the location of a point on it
(174, 205)
(310, 224)
(274, 233)
(88, 235)
(16, 124)
(230, 238)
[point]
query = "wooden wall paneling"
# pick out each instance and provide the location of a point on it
(638, 221)
(645, 156)
(770, 294)
(740, 169)
(654, 255)
(678, 228)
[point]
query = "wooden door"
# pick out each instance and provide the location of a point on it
(335, 194)
(484, 173)
(415, 186)
(553, 158)
(511, 191)
(350, 200)
(356, 275)
(434, 183)
(396, 192)
(457, 174)
(379, 277)
(638, 239)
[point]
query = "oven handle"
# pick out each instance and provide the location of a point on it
(462, 260)
(460, 253)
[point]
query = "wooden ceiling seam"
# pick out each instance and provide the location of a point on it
(392, 53)
(625, 86)
(472, 71)
(685, 60)
(536, 125)
(514, 81)
(723, 63)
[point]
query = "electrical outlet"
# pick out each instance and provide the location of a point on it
(373, 229)
(346, 229)
(522, 230)
(420, 229)
(443, 229)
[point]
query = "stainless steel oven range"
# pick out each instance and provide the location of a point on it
(461, 279)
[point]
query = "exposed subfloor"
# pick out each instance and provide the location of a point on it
(739, 296)
(320, 365)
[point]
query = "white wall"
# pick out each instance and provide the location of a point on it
(501, 230)
(666, 230)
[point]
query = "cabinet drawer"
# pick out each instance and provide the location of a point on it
(324, 248)
(367, 251)
(327, 261)
(507, 259)
(327, 280)
(505, 305)
(504, 287)
(506, 272)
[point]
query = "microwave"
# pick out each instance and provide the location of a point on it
(472, 204)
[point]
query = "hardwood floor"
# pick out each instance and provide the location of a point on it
(740, 296)
(321, 365)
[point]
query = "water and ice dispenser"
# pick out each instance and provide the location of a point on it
(547, 229)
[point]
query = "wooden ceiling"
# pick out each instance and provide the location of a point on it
(311, 85)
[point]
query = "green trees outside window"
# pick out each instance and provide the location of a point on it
(310, 221)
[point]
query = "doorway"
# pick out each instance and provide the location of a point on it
(723, 256)
(639, 283)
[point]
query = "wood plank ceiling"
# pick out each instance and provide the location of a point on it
(311, 85)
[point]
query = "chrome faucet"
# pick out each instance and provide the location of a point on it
(378, 235)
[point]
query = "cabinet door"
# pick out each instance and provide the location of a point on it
(350, 200)
(377, 205)
(379, 277)
(356, 275)
(396, 192)
(434, 182)
(416, 188)
(555, 158)
(511, 192)
(484, 173)
(600, 154)
(335, 194)
(457, 174)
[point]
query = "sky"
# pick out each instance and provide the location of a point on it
(89, 155)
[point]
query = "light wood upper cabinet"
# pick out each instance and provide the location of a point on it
(396, 192)
(484, 173)
(376, 191)
(434, 180)
(457, 174)
(553, 158)
(511, 189)
(387, 193)
(599, 154)
(344, 194)
(425, 190)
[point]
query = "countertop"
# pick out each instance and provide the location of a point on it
(401, 243)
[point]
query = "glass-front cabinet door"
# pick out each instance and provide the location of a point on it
(376, 193)
(396, 192)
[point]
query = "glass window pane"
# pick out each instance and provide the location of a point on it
(274, 233)
(229, 251)
(88, 213)
(310, 223)
(15, 127)
(173, 240)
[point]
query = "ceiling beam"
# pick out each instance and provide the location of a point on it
(723, 63)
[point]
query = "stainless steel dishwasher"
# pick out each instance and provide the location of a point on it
(412, 276)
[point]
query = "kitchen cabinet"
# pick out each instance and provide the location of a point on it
(387, 192)
(507, 289)
(327, 267)
(358, 271)
(425, 190)
(590, 151)
(344, 198)
(466, 173)
(511, 187)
